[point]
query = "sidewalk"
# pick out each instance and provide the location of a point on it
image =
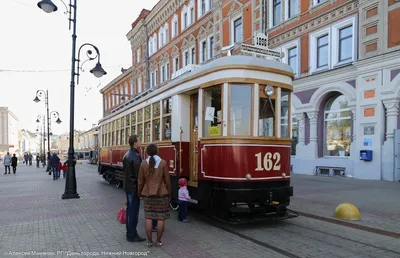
(377, 201)
(34, 218)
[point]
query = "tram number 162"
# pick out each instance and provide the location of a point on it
(270, 162)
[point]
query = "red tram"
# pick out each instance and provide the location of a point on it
(225, 127)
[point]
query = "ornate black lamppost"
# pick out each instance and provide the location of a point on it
(48, 6)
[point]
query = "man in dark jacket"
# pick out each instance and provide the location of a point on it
(54, 165)
(131, 162)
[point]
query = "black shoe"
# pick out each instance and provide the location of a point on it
(8, 172)
(135, 239)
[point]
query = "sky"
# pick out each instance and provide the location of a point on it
(37, 48)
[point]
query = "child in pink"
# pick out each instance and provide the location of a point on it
(184, 197)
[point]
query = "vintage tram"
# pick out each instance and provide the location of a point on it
(224, 126)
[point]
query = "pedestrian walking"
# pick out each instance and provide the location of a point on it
(64, 168)
(37, 160)
(14, 163)
(183, 196)
(48, 162)
(154, 188)
(30, 157)
(131, 165)
(55, 160)
(6, 162)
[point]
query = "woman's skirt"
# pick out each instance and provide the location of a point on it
(156, 208)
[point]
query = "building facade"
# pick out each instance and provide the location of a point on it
(345, 56)
(29, 142)
(8, 131)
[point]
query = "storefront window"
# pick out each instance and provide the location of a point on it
(213, 111)
(240, 110)
(266, 122)
(167, 121)
(133, 123)
(140, 124)
(337, 119)
(285, 113)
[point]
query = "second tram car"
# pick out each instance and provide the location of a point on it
(225, 127)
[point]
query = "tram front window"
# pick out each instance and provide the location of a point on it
(240, 110)
(285, 113)
(266, 117)
(212, 101)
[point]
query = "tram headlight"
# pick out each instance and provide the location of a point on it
(283, 175)
(269, 90)
(248, 176)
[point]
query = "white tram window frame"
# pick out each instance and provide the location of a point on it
(220, 120)
(276, 107)
(285, 121)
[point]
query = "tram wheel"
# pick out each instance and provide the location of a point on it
(118, 184)
(174, 205)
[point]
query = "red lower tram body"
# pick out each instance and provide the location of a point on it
(228, 180)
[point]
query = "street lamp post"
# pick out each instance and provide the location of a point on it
(44, 133)
(39, 95)
(48, 6)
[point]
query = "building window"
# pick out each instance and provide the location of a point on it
(168, 71)
(237, 30)
(162, 74)
(186, 58)
(211, 48)
(345, 43)
(166, 33)
(211, 4)
(322, 51)
(126, 91)
(167, 122)
(109, 101)
(151, 79)
(174, 26)
(203, 7)
(161, 38)
(292, 8)
(185, 20)
(193, 59)
(156, 78)
(139, 84)
(176, 64)
(240, 110)
(138, 55)
(292, 59)
(203, 51)
(212, 99)
(151, 46)
(155, 48)
(337, 131)
(276, 12)
(191, 15)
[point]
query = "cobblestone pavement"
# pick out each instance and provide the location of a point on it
(33, 217)
(377, 201)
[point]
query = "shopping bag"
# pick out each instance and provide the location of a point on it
(122, 216)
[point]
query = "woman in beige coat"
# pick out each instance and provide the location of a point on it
(154, 187)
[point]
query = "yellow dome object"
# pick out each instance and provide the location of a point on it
(347, 211)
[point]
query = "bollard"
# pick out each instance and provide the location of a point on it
(347, 211)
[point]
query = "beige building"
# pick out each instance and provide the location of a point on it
(8, 131)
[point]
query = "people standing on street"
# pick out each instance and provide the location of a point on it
(55, 160)
(37, 160)
(30, 157)
(14, 162)
(64, 168)
(48, 162)
(154, 188)
(6, 162)
(131, 164)
(184, 197)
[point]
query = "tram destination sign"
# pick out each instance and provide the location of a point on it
(260, 51)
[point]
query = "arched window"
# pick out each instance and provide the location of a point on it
(155, 48)
(126, 91)
(337, 127)
(113, 98)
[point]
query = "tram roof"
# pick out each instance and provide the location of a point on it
(239, 61)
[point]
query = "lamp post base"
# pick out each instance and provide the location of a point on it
(70, 184)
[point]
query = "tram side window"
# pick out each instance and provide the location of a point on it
(128, 128)
(285, 113)
(167, 121)
(240, 110)
(213, 120)
(156, 121)
(147, 124)
(122, 135)
(266, 117)
(133, 123)
(140, 124)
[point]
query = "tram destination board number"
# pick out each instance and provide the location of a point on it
(269, 162)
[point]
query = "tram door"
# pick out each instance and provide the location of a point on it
(194, 140)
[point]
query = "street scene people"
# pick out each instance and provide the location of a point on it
(14, 163)
(55, 160)
(37, 160)
(131, 165)
(183, 196)
(7, 162)
(154, 187)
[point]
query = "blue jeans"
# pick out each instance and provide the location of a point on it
(182, 212)
(132, 213)
(56, 173)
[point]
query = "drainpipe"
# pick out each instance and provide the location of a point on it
(147, 56)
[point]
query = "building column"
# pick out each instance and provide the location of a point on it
(301, 128)
(353, 145)
(392, 111)
(313, 145)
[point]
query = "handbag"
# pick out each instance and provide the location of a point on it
(122, 216)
